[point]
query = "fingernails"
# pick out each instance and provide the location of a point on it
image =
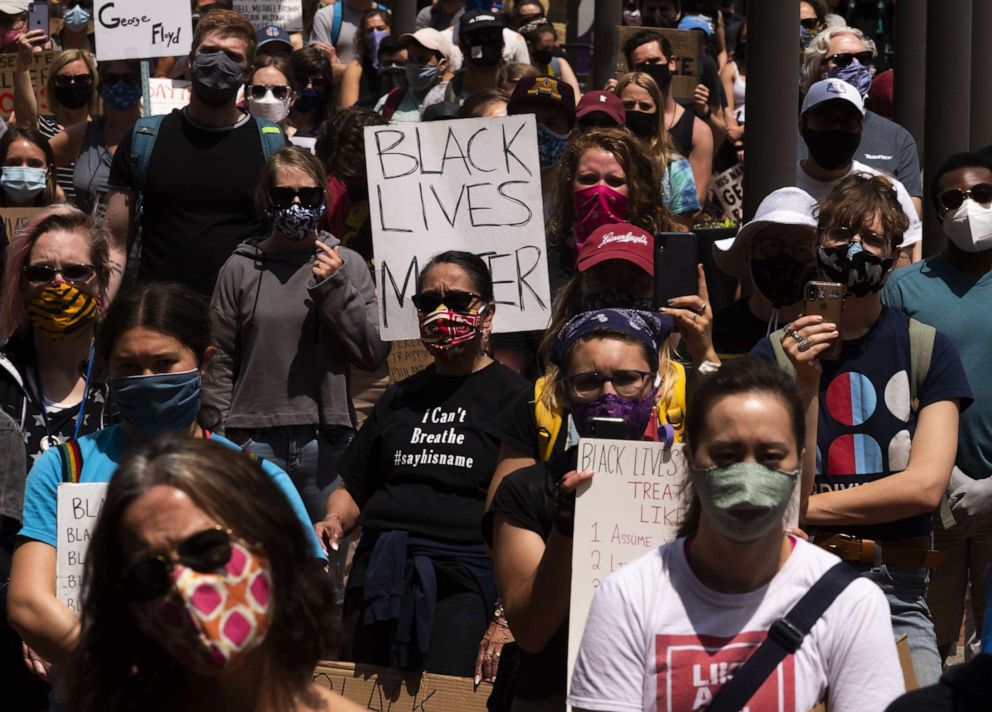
(830, 326)
(335, 546)
(818, 319)
(669, 302)
(477, 680)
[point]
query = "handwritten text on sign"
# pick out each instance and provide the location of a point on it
(79, 506)
(136, 29)
(39, 68)
(634, 504)
(471, 184)
(287, 14)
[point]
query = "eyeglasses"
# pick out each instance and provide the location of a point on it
(112, 79)
(810, 23)
(68, 80)
(258, 91)
(282, 198)
(455, 300)
(839, 236)
(589, 384)
(952, 199)
(45, 274)
(204, 551)
(317, 82)
(843, 59)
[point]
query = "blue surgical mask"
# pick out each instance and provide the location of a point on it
(550, 145)
(855, 74)
(77, 18)
(420, 77)
(120, 96)
(22, 183)
(159, 402)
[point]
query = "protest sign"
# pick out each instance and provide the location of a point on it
(41, 63)
(168, 94)
(687, 48)
(138, 29)
(79, 506)
(728, 187)
(287, 14)
(633, 505)
(381, 688)
(471, 184)
(15, 218)
(406, 358)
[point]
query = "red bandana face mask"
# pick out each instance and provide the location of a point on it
(444, 330)
(594, 206)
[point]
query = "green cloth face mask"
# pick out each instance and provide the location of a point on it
(744, 501)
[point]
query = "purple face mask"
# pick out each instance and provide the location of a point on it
(637, 413)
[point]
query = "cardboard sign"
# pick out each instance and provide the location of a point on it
(471, 184)
(168, 94)
(687, 47)
(728, 187)
(40, 67)
(287, 14)
(383, 689)
(15, 218)
(634, 504)
(79, 506)
(406, 358)
(138, 29)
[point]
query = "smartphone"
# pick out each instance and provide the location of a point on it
(38, 17)
(827, 300)
(676, 255)
(608, 428)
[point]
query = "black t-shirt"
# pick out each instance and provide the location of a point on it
(426, 454)
(736, 330)
(198, 195)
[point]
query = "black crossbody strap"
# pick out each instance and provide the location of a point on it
(784, 637)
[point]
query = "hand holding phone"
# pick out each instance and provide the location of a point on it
(38, 17)
(826, 299)
(675, 257)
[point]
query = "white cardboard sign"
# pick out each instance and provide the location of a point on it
(168, 94)
(79, 506)
(138, 29)
(634, 504)
(287, 14)
(470, 184)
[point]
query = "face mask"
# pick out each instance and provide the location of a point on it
(637, 413)
(780, 279)
(594, 206)
(268, 107)
(61, 312)
(550, 146)
(658, 71)
(309, 100)
(210, 622)
(862, 272)
(969, 227)
(297, 221)
(855, 74)
(805, 37)
(833, 148)
(373, 38)
(447, 331)
(485, 55)
(77, 18)
(8, 39)
(162, 401)
(120, 96)
(390, 78)
(74, 96)
(216, 78)
(744, 501)
(542, 56)
(615, 298)
(22, 183)
(420, 77)
(642, 124)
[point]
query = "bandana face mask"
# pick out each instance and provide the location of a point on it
(594, 206)
(61, 312)
(860, 271)
(448, 331)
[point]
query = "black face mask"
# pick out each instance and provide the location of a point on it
(484, 55)
(780, 279)
(833, 148)
(391, 78)
(614, 298)
(541, 56)
(859, 270)
(659, 71)
(642, 124)
(74, 96)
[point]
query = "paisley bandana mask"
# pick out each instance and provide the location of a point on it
(297, 221)
(209, 622)
(61, 312)
(444, 330)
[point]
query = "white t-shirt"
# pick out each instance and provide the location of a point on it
(323, 25)
(819, 189)
(657, 639)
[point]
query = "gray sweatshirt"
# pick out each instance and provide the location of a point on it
(285, 343)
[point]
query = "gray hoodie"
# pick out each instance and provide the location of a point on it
(285, 343)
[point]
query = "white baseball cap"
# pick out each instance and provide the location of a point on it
(785, 206)
(14, 7)
(830, 90)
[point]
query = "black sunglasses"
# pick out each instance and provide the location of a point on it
(316, 82)
(45, 274)
(952, 199)
(112, 79)
(257, 91)
(282, 198)
(68, 80)
(204, 551)
(844, 59)
(810, 23)
(456, 301)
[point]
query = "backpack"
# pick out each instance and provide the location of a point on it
(337, 17)
(393, 100)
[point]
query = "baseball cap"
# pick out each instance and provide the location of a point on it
(621, 241)
(270, 34)
(543, 90)
(697, 22)
(785, 206)
(427, 37)
(603, 102)
(14, 7)
(476, 20)
(441, 111)
(831, 90)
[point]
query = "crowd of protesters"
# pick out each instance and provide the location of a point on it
(189, 314)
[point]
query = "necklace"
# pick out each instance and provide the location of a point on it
(50, 441)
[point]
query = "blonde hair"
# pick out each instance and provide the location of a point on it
(287, 157)
(63, 59)
(661, 143)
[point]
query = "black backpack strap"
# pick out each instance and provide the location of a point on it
(784, 637)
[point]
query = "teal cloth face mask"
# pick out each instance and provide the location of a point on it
(744, 501)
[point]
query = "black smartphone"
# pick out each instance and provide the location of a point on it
(607, 428)
(38, 17)
(676, 255)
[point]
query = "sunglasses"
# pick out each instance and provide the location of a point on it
(112, 79)
(204, 551)
(843, 59)
(45, 274)
(317, 82)
(68, 80)
(810, 23)
(839, 236)
(258, 91)
(427, 302)
(589, 384)
(952, 199)
(282, 198)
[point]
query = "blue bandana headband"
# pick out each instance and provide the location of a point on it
(649, 328)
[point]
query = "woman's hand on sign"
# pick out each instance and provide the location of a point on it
(328, 261)
(29, 43)
(693, 317)
(329, 532)
(571, 481)
(490, 647)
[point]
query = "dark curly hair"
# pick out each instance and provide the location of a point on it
(341, 144)
(116, 666)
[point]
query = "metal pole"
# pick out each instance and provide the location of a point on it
(981, 61)
(404, 16)
(948, 106)
(773, 100)
(609, 14)
(911, 61)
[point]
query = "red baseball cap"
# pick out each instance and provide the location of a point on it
(621, 241)
(604, 102)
